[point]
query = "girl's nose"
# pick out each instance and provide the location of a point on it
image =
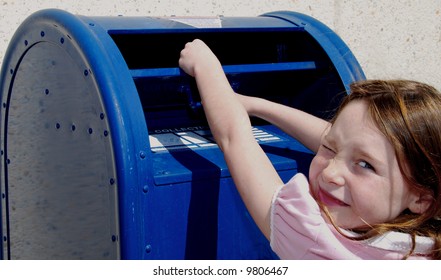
(333, 173)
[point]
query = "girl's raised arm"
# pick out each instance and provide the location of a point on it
(253, 173)
(304, 127)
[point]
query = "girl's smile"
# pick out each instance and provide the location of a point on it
(329, 200)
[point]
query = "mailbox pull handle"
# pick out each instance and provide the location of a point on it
(228, 69)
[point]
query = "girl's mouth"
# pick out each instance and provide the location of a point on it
(330, 200)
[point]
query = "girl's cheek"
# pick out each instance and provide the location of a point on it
(317, 165)
(315, 168)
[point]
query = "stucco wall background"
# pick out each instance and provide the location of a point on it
(390, 39)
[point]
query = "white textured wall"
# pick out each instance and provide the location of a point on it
(390, 39)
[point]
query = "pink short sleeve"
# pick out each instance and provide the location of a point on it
(295, 219)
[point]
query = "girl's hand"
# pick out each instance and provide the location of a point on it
(197, 56)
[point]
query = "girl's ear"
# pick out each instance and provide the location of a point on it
(421, 202)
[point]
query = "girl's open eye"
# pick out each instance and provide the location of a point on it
(366, 165)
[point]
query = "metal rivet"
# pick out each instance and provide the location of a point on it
(102, 116)
(57, 126)
(46, 91)
(86, 72)
(112, 181)
(62, 40)
(142, 155)
(42, 34)
(114, 238)
(106, 133)
(73, 127)
(90, 130)
(148, 249)
(145, 189)
(11, 71)
(26, 42)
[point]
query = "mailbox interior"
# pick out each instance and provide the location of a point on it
(285, 65)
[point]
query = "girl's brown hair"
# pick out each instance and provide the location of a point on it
(408, 113)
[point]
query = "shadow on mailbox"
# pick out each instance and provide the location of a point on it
(105, 149)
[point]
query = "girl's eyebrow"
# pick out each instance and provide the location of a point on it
(365, 154)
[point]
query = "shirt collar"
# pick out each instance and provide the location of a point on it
(399, 242)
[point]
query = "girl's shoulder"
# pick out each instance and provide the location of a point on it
(391, 245)
(401, 242)
(295, 194)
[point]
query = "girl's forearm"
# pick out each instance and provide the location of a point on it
(304, 127)
(226, 116)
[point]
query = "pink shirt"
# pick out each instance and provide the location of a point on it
(298, 231)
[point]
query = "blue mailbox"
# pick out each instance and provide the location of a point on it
(105, 150)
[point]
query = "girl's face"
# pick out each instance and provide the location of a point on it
(355, 172)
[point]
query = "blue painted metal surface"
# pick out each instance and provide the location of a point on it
(105, 151)
(341, 56)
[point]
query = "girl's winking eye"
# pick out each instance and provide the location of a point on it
(326, 147)
(326, 151)
(328, 144)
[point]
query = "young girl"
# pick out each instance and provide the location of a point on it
(373, 190)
